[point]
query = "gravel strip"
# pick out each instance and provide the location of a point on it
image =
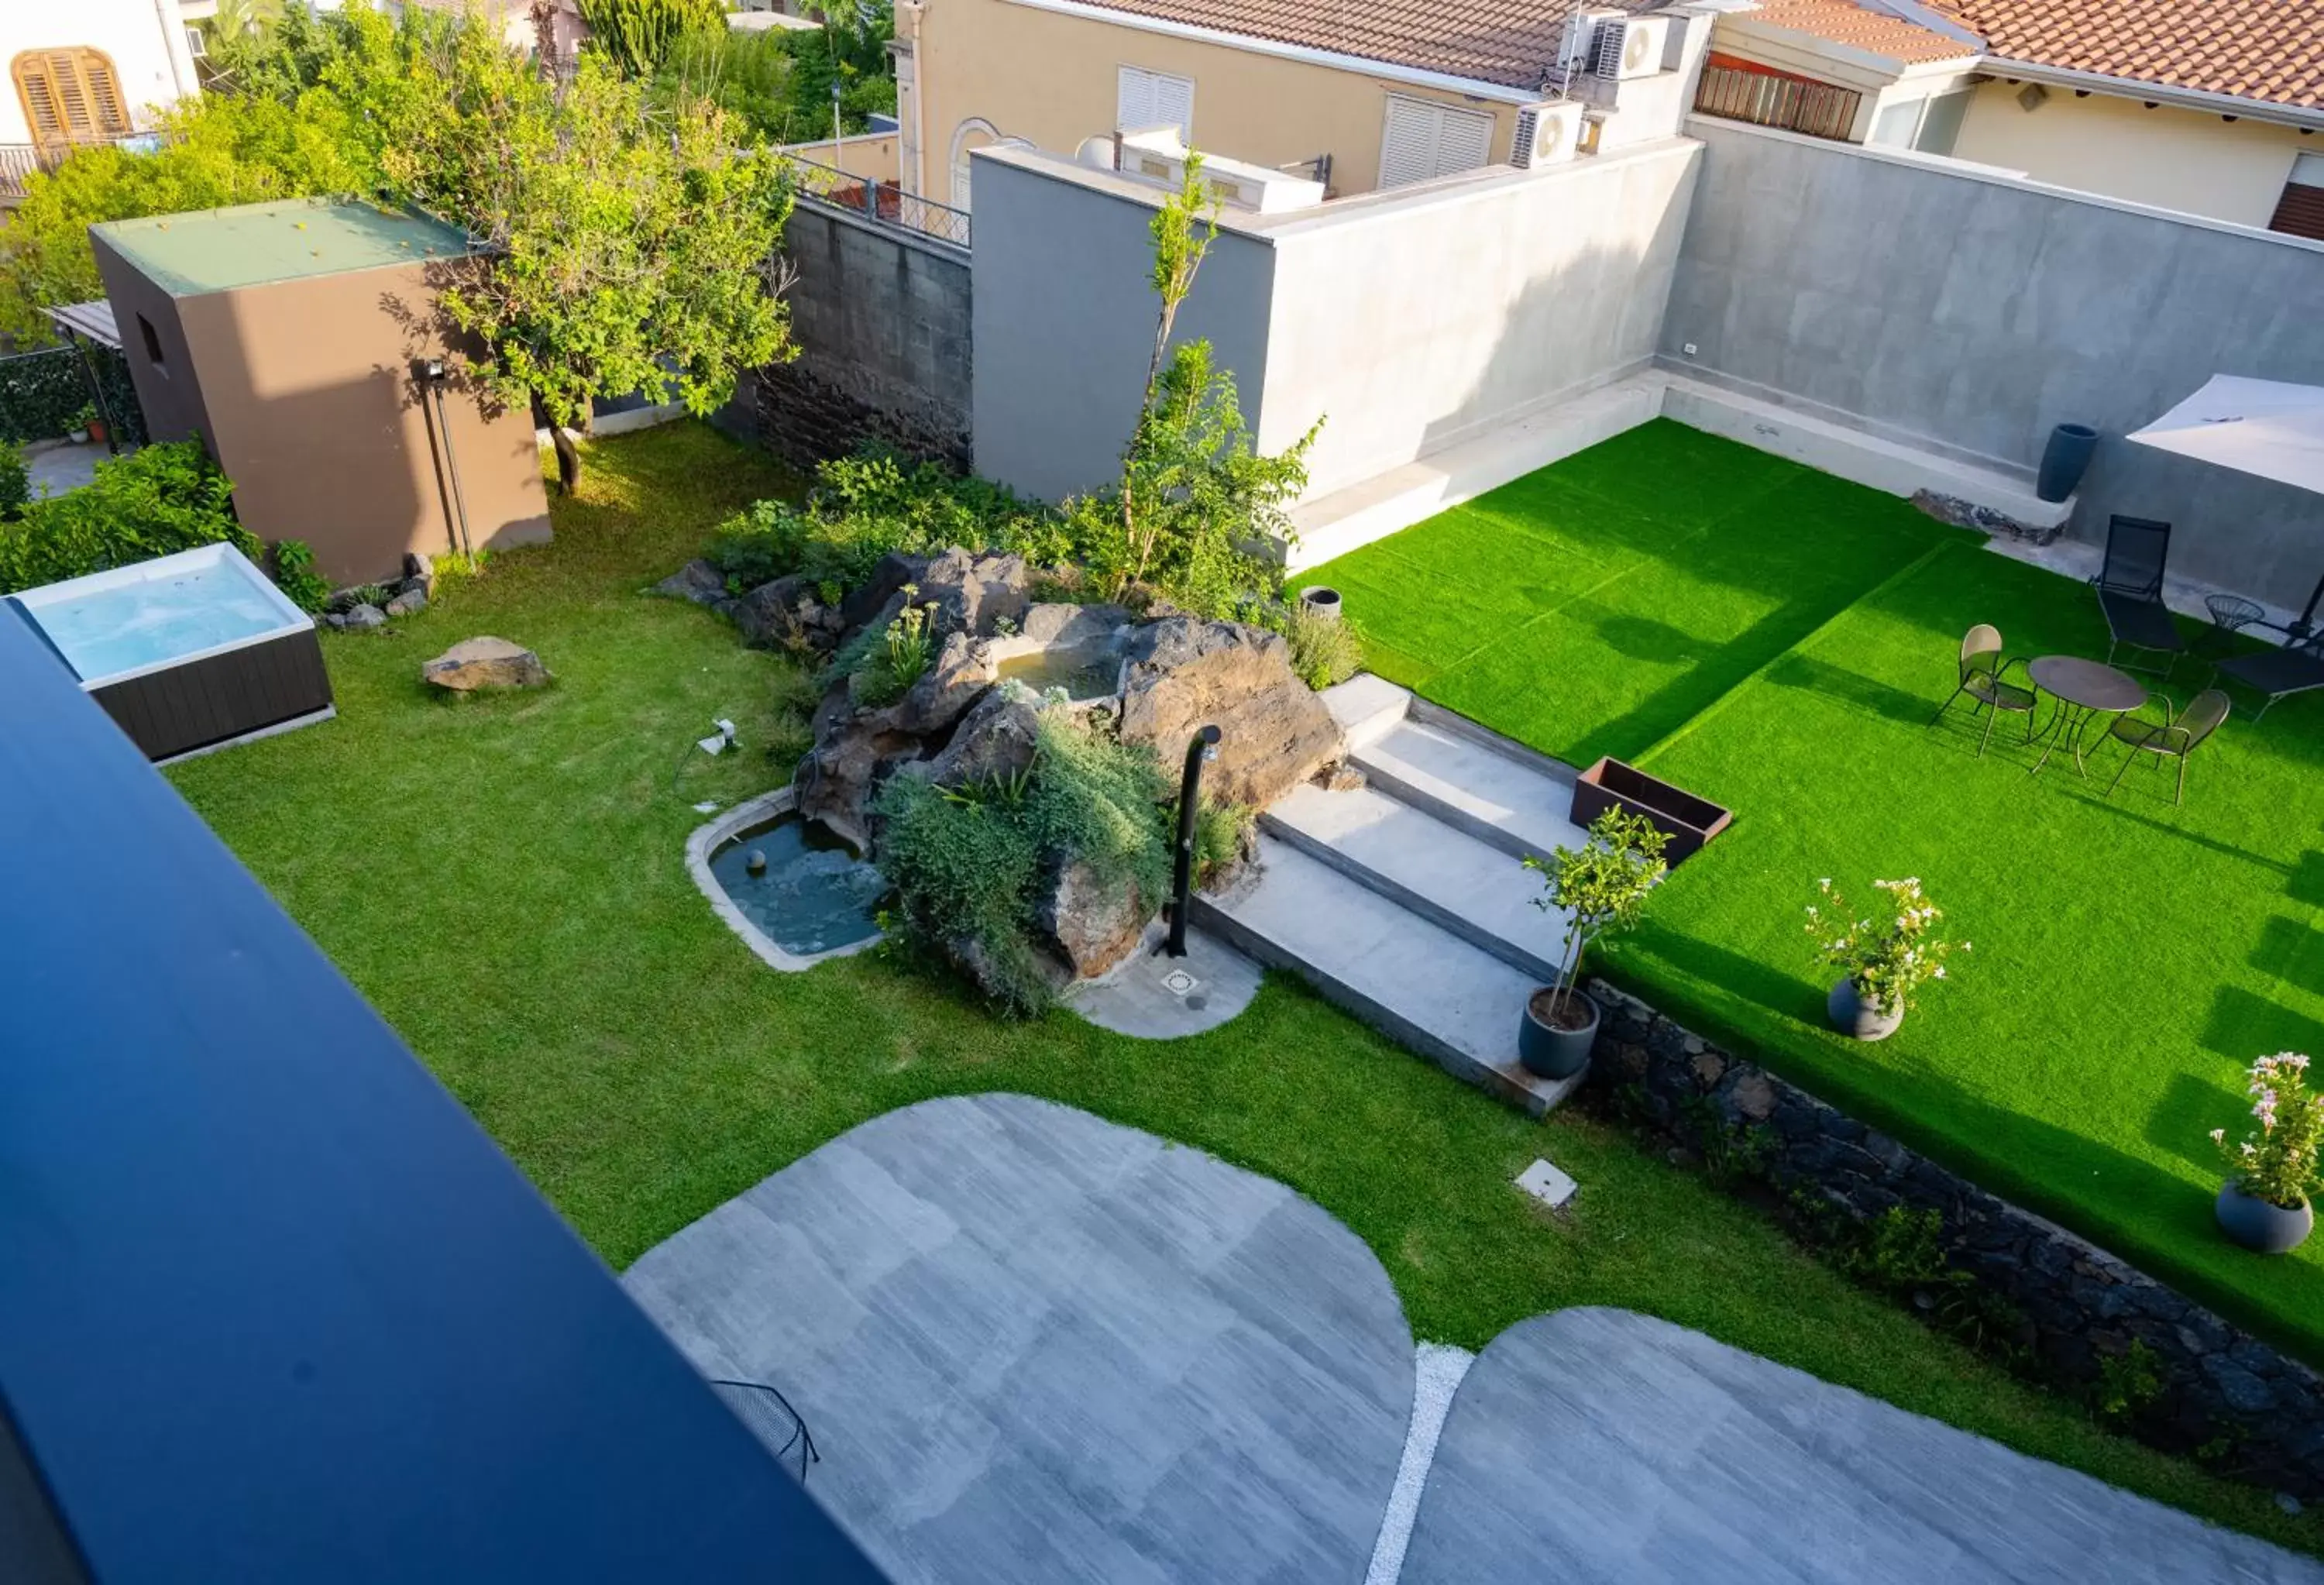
(1436, 1372)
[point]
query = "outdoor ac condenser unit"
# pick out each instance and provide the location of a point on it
(1548, 134)
(1155, 154)
(1631, 47)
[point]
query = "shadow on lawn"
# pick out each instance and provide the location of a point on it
(2293, 952)
(2181, 1125)
(2245, 1025)
(1800, 670)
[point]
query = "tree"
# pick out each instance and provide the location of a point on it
(1603, 885)
(638, 35)
(1197, 509)
(623, 252)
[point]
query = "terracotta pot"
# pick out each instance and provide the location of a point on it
(1549, 1051)
(2259, 1224)
(1860, 1019)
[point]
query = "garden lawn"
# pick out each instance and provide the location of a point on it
(503, 878)
(2129, 959)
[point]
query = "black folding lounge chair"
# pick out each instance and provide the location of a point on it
(2130, 591)
(2293, 670)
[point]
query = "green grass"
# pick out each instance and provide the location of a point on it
(502, 877)
(1798, 632)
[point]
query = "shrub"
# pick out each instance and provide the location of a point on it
(1220, 830)
(293, 570)
(967, 863)
(1890, 959)
(759, 545)
(2276, 1161)
(148, 503)
(890, 668)
(15, 483)
(1323, 651)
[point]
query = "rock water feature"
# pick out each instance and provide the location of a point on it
(971, 717)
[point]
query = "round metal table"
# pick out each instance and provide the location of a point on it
(2085, 690)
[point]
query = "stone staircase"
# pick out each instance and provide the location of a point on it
(1405, 900)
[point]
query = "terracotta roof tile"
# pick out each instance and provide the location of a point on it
(1841, 22)
(2266, 49)
(1510, 42)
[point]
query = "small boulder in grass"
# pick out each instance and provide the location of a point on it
(484, 663)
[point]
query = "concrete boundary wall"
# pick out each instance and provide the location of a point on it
(1408, 321)
(1963, 312)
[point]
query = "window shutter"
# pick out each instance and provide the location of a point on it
(70, 96)
(960, 185)
(1153, 99)
(1465, 143)
(1424, 140)
(1409, 148)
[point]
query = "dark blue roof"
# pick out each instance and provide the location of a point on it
(272, 1307)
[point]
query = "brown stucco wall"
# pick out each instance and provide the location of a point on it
(170, 395)
(307, 398)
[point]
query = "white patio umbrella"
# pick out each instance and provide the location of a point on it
(2263, 427)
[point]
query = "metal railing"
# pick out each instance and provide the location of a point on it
(19, 161)
(1765, 99)
(881, 202)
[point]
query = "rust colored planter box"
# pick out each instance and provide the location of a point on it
(1687, 820)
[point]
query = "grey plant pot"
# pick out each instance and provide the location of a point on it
(1857, 1018)
(2258, 1225)
(1548, 1052)
(1320, 600)
(2064, 460)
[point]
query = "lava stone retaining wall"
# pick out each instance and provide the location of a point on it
(880, 319)
(2260, 1413)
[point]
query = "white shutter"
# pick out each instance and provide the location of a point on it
(1465, 141)
(1145, 98)
(960, 185)
(1424, 140)
(1409, 147)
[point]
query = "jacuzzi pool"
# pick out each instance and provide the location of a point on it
(186, 652)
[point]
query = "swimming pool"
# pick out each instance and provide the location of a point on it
(186, 652)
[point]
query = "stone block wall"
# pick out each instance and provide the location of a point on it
(2257, 1413)
(880, 317)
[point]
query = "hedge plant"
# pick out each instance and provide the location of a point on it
(147, 503)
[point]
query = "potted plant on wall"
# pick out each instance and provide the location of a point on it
(1599, 886)
(1883, 962)
(2263, 1204)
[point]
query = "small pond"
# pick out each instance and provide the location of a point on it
(814, 895)
(1091, 671)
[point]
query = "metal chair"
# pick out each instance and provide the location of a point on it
(1982, 679)
(2130, 591)
(2295, 668)
(2174, 737)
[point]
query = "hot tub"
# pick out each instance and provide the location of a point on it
(186, 652)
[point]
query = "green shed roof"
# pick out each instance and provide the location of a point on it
(291, 239)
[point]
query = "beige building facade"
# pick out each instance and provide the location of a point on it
(1050, 75)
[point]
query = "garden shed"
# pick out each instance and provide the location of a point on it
(302, 342)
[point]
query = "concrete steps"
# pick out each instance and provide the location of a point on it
(1458, 883)
(1423, 986)
(1502, 794)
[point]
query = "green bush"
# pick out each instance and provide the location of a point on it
(1219, 832)
(863, 507)
(148, 503)
(15, 483)
(293, 570)
(638, 35)
(889, 667)
(967, 863)
(40, 393)
(1323, 652)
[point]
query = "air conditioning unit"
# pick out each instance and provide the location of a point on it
(1631, 46)
(196, 45)
(1157, 154)
(1548, 134)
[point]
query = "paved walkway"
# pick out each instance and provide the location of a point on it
(1600, 1445)
(55, 469)
(1035, 1346)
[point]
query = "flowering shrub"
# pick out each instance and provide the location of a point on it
(1889, 959)
(2277, 1162)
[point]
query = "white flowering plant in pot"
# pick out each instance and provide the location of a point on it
(1887, 954)
(2273, 1169)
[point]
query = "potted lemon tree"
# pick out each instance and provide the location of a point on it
(2263, 1204)
(1599, 886)
(1882, 960)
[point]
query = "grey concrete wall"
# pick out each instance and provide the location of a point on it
(882, 319)
(1064, 319)
(1971, 313)
(1410, 322)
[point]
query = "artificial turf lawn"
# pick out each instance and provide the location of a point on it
(503, 879)
(2130, 958)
